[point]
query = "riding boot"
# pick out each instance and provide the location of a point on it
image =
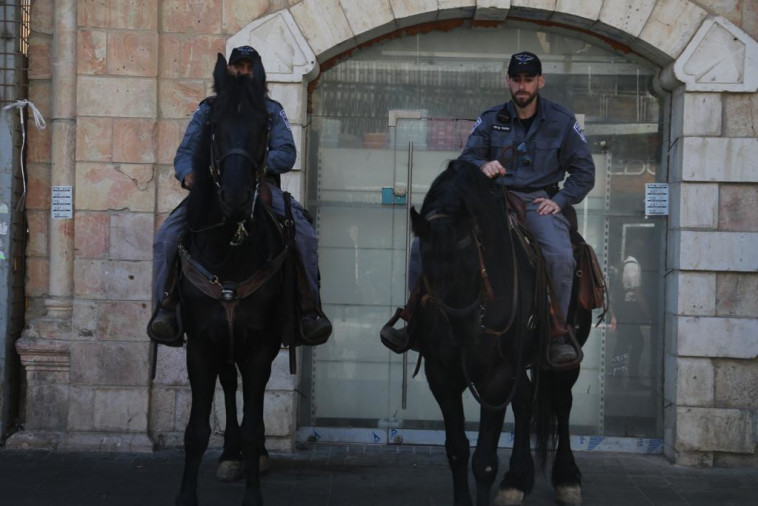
(164, 327)
(563, 351)
(314, 325)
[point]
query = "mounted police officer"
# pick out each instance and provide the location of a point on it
(531, 143)
(163, 326)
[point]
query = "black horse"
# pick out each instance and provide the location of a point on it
(482, 320)
(231, 283)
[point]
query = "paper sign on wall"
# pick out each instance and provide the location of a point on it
(63, 203)
(656, 199)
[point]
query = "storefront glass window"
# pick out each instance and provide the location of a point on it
(384, 122)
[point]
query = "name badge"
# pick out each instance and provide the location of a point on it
(501, 128)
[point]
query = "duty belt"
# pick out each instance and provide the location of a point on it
(550, 189)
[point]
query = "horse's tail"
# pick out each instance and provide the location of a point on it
(544, 418)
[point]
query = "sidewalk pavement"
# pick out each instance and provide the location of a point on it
(357, 475)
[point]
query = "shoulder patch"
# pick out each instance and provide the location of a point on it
(476, 124)
(578, 130)
(285, 119)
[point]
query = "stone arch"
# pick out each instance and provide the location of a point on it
(704, 61)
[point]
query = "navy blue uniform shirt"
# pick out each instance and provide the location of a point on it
(281, 155)
(553, 146)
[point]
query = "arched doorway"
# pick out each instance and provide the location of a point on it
(383, 124)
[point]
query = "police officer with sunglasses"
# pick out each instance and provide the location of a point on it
(531, 143)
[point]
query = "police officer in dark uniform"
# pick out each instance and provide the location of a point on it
(281, 158)
(531, 143)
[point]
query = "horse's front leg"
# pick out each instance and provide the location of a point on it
(255, 371)
(202, 378)
(485, 463)
(448, 396)
(519, 480)
(566, 477)
(230, 463)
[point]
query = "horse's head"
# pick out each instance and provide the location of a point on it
(447, 243)
(239, 139)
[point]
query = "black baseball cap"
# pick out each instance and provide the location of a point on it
(525, 63)
(244, 53)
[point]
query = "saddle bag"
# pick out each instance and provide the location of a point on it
(593, 291)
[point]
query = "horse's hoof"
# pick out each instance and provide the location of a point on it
(229, 470)
(568, 494)
(264, 465)
(509, 497)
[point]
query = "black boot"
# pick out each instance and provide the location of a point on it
(316, 328)
(164, 325)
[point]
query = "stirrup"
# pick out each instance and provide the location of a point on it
(570, 364)
(397, 340)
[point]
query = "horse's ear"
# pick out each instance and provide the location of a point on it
(418, 224)
(220, 73)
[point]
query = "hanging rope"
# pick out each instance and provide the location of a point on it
(39, 122)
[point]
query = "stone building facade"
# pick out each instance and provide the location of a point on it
(118, 82)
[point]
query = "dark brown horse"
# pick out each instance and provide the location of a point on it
(231, 283)
(482, 323)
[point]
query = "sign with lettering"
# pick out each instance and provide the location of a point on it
(656, 199)
(63, 203)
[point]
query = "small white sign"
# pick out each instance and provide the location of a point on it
(63, 203)
(656, 199)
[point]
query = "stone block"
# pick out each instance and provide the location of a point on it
(170, 55)
(38, 187)
(713, 429)
(293, 183)
(162, 409)
(736, 384)
(364, 16)
(324, 26)
(281, 379)
(694, 205)
(132, 53)
(583, 14)
(92, 234)
(185, 17)
(695, 382)
(702, 115)
(179, 98)
(108, 364)
(171, 367)
(492, 10)
(169, 136)
(94, 139)
(123, 321)
(91, 50)
(110, 442)
(670, 27)
(132, 97)
(40, 92)
(84, 320)
(237, 13)
(740, 114)
(134, 140)
(121, 409)
(113, 280)
(413, 12)
(170, 192)
(183, 405)
(717, 337)
(81, 411)
(37, 276)
(735, 460)
(134, 15)
(738, 207)
(198, 56)
(40, 145)
(293, 100)
(46, 406)
(455, 9)
(737, 294)
(279, 413)
(101, 187)
(718, 251)
(720, 159)
(93, 13)
(298, 134)
(42, 16)
(532, 9)
(691, 293)
(38, 226)
(40, 56)
(131, 236)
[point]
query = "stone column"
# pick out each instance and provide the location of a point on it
(43, 346)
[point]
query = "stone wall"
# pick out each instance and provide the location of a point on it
(141, 67)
